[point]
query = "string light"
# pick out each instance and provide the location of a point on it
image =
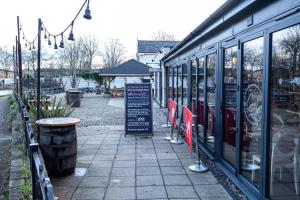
(61, 44)
(71, 35)
(49, 40)
(55, 45)
(87, 12)
(87, 15)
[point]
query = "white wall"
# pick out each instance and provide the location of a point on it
(119, 82)
(153, 60)
(147, 59)
(81, 83)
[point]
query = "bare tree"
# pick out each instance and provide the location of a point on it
(290, 40)
(113, 53)
(6, 61)
(71, 54)
(30, 59)
(90, 49)
(163, 36)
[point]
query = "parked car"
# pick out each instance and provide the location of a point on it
(8, 81)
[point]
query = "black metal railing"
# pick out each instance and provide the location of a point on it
(41, 185)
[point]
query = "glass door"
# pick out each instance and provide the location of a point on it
(211, 99)
(284, 141)
(206, 101)
(251, 109)
(230, 104)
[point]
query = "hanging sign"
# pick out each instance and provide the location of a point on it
(172, 111)
(138, 109)
(188, 122)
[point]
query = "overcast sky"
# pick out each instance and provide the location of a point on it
(127, 20)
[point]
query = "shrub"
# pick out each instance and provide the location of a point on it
(56, 109)
(12, 111)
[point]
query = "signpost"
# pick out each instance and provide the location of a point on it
(188, 121)
(138, 109)
(171, 114)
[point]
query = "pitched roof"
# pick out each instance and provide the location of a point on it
(153, 46)
(131, 67)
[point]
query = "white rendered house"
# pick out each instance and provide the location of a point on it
(150, 53)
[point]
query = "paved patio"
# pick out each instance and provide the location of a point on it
(112, 166)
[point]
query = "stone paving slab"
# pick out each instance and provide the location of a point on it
(119, 167)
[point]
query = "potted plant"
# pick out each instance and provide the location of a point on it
(58, 144)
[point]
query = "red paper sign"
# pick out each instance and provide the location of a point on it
(172, 111)
(188, 122)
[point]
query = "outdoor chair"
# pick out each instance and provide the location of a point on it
(285, 155)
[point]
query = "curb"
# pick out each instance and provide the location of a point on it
(16, 176)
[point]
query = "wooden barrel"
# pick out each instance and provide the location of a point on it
(67, 94)
(74, 98)
(59, 149)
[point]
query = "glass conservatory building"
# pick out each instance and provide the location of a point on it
(239, 72)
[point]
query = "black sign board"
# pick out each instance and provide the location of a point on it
(138, 109)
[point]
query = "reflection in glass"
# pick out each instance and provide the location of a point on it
(171, 83)
(201, 96)
(285, 114)
(229, 105)
(179, 89)
(194, 86)
(252, 109)
(185, 85)
(211, 108)
(156, 85)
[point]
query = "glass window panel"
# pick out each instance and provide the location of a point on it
(179, 89)
(211, 96)
(201, 96)
(185, 85)
(176, 85)
(156, 85)
(170, 92)
(194, 86)
(285, 114)
(251, 123)
(229, 105)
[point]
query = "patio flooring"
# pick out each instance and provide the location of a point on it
(112, 166)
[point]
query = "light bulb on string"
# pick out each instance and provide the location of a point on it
(55, 45)
(61, 44)
(49, 40)
(71, 35)
(87, 12)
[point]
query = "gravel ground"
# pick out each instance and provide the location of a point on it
(98, 111)
(5, 140)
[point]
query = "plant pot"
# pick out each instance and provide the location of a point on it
(75, 98)
(58, 143)
(67, 94)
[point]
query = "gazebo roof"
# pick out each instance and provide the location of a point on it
(131, 67)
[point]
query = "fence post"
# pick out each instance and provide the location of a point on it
(48, 189)
(33, 149)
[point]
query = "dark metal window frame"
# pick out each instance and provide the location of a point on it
(265, 30)
(281, 24)
(204, 54)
